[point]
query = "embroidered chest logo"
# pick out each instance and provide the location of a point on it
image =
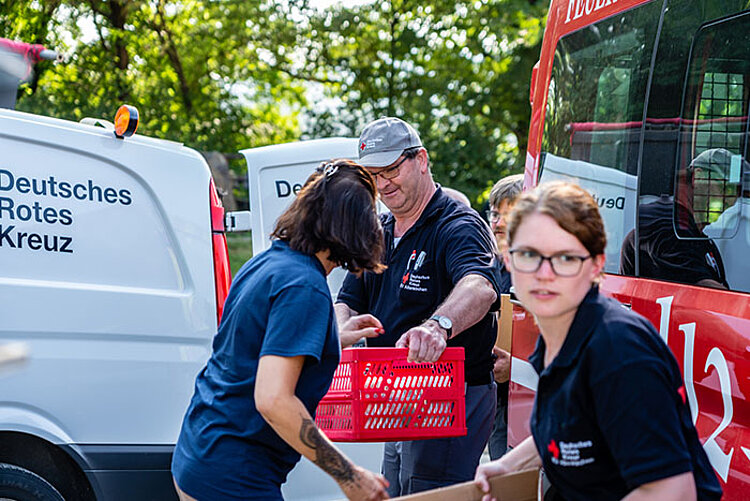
(412, 281)
(570, 453)
(553, 449)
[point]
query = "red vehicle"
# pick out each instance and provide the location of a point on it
(645, 103)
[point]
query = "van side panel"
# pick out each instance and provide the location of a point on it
(106, 273)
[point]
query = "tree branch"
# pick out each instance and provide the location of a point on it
(167, 39)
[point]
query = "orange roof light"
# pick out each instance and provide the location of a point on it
(126, 121)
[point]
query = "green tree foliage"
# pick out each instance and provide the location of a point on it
(459, 71)
(200, 72)
(228, 74)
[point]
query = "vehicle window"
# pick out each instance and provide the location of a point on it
(713, 179)
(594, 113)
(694, 148)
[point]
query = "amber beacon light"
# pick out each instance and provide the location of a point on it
(126, 121)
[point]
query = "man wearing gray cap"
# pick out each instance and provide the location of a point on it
(671, 245)
(441, 283)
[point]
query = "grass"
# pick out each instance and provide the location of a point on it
(240, 249)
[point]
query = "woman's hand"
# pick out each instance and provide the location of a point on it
(485, 472)
(523, 457)
(358, 326)
(365, 486)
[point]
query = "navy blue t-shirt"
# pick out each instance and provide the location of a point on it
(279, 304)
(609, 414)
(448, 242)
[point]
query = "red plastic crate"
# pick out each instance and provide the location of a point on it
(377, 396)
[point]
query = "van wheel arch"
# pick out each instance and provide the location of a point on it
(48, 461)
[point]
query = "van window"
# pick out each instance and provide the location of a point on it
(693, 149)
(594, 113)
(715, 186)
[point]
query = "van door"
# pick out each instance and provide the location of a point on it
(693, 236)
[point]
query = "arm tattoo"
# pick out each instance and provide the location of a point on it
(326, 456)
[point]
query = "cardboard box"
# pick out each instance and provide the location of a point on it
(521, 486)
(505, 325)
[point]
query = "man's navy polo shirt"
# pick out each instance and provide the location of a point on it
(448, 242)
(609, 415)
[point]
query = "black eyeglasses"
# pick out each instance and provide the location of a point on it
(492, 215)
(563, 265)
(392, 171)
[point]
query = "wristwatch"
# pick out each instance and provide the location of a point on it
(445, 323)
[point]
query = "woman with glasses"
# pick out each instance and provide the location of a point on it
(251, 416)
(610, 419)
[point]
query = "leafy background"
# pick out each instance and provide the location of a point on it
(225, 75)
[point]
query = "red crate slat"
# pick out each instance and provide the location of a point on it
(376, 395)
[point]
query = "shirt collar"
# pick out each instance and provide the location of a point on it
(584, 323)
(284, 246)
(434, 207)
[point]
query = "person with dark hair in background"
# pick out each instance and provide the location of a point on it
(276, 350)
(610, 418)
(502, 198)
(438, 290)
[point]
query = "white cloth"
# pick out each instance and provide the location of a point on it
(731, 234)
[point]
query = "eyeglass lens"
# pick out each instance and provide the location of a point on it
(563, 265)
(392, 171)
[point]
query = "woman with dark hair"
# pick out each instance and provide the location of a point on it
(610, 419)
(276, 350)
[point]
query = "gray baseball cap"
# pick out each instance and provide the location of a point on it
(716, 160)
(384, 140)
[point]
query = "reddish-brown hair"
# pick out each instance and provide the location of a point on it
(572, 207)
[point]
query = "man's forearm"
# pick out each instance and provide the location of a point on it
(469, 301)
(343, 313)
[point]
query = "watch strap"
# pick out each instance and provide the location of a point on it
(441, 320)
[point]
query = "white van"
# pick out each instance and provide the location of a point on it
(113, 270)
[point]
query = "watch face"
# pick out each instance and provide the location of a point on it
(445, 322)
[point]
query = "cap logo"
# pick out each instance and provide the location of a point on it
(371, 143)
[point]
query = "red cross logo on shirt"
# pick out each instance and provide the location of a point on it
(552, 447)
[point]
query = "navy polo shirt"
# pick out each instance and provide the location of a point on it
(662, 254)
(279, 304)
(448, 242)
(609, 414)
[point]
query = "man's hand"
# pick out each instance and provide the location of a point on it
(426, 342)
(365, 485)
(357, 327)
(501, 369)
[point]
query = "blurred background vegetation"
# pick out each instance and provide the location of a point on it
(224, 75)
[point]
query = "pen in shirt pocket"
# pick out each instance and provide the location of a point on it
(420, 260)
